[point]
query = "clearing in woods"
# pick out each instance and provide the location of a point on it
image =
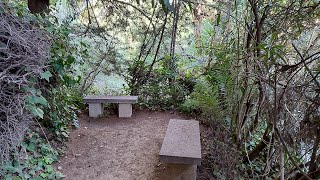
(117, 149)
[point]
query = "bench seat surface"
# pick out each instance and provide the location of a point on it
(181, 144)
(110, 99)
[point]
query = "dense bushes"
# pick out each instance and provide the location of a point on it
(214, 93)
(163, 88)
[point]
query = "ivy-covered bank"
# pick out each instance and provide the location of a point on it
(38, 100)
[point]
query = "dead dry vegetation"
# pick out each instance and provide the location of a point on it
(24, 53)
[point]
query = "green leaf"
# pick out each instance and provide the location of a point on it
(48, 160)
(42, 100)
(65, 134)
(39, 178)
(49, 168)
(46, 75)
(37, 100)
(83, 44)
(27, 176)
(32, 171)
(218, 19)
(31, 90)
(16, 178)
(190, 6)
(262, 46)
(31, 147)
(69, 61)
(39, 166)
(8, 177)
(35, 111)
(1, 10)
(59, 175)
(44, 175)
(2, 45)
(50, 29)
(11, 169)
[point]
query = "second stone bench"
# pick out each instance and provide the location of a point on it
(96, 104)
(181, 149)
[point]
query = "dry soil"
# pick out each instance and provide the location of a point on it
(112, 148)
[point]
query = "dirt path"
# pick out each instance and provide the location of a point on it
(117, 149)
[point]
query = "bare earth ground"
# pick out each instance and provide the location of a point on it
(117, 148)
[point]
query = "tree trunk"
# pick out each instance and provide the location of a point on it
(313, 162)
(255, 152)
(197, 13)
(38, 6)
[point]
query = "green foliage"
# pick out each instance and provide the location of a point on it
(46, 75)
(214, 92)
(35, 102)
(163, 89)
(203, 98)
(37, 163)
(56, 100)
(61, 112)
(61, 93)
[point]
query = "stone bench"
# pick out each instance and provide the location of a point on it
(181, 149)
(96, 104)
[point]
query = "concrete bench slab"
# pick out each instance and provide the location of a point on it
(181, 149)
(110, 99)
(181, 144)
(96, 104)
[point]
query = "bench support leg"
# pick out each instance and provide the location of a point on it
(181, 172)
(125, 110)
(95, 110)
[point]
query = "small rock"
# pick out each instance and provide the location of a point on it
(77, 155)
(59, 168)
(101, 146)
(79, 135)
(163, 168)
(86, 127)
(159, 165)
(149, 117)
